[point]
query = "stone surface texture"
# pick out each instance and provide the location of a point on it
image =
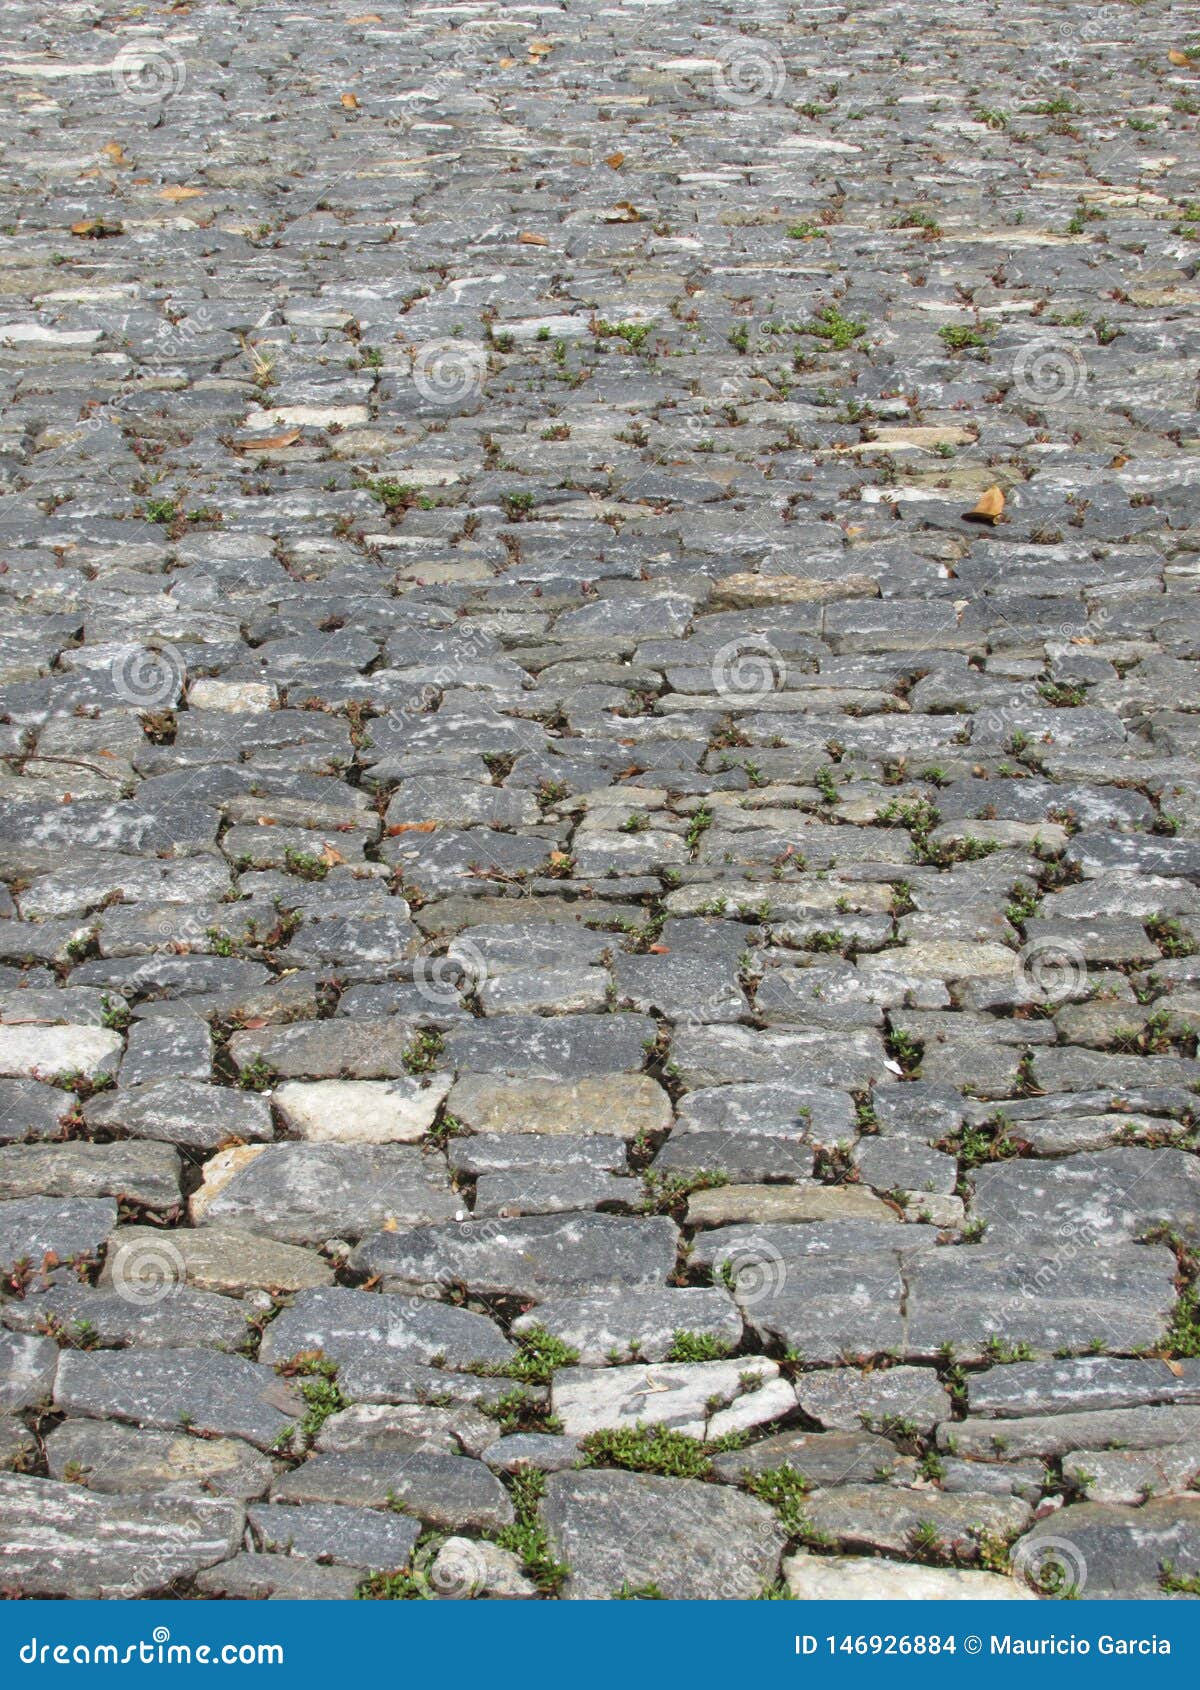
(599, 800)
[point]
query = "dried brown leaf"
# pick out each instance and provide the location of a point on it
(270, 442)
(989, 508)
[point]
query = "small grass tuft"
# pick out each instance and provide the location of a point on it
(527, 1537)
(697, 1346)
(831, 325)
(648, 1449)
(785, 1489)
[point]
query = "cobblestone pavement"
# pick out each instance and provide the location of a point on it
(601, 963)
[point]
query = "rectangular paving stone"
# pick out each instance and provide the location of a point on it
(307, 1193)
(27, 1368)
(361, 1111)
(1123, 1549)
(44, 1053)
(693, 1398)
(62, 1540)
(357, 1050)
(197, 1390)
(175, 1049)
(144, 1302)
(786, 1110)
(213, 1258)
(146, 1174)
(280, 1578)
(1107, 1196)
(537, 1257)
(349, 1537)
(879, 1518)
(114, 1460)
(43, 1232)
(448, 1491)
(541, 1047)
(1132, 1475)
(625, 1105)
(30, 1110)
(184, 1112)
(1083, 1382)
(1070, 1297)
(692, 1541)
(602, 1329)
(1050, 1435)
(715, 1056)
(347, 1324)
(500, 1153)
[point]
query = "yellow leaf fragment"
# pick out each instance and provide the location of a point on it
(990, 507)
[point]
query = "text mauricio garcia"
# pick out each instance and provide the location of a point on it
(1071, 1645)
(949, 1643)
